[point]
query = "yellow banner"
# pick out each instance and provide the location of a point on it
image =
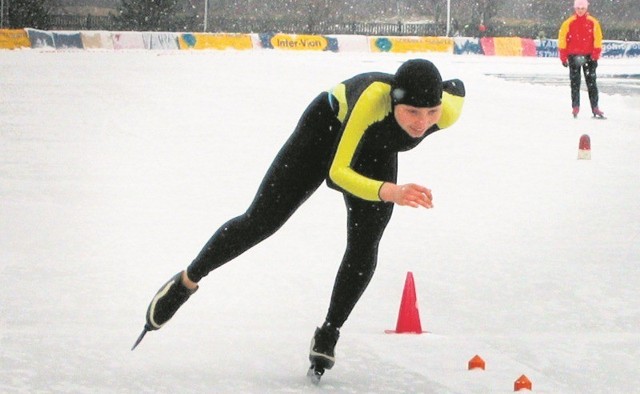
(214, 41)
(411, 44)
(14, 38)
(507, 46)
(299, 42)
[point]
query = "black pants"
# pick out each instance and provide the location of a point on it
(588, 66)
(297, 171)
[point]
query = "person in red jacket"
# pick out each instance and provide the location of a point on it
(580, 46)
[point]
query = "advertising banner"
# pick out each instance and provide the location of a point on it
(40, 38)
(298, 42)
(411, 44)
(14, 38)
(214, 41)
(67, 40)
(128, 40)
(96, 40)
(153, 40)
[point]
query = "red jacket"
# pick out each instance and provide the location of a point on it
(580, 35)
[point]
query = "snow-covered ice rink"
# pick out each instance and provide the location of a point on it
(116, 167)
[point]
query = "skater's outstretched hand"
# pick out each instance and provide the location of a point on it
(411, 194)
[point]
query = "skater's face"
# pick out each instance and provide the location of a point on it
(581, 10)
(415, 121)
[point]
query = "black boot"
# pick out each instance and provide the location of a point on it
(167, 301)
(165, 304)
(323, 343)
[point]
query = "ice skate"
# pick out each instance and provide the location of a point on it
(597, 113)
(165, 304)
(321, 352)
(575, 111)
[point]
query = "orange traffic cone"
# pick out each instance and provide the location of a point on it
(523, 383)
(476, 363)
(584, 148)
(409, 316)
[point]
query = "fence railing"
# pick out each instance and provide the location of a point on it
(240, 25)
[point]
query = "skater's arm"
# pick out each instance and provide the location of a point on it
(597, 40)
(562, 39)
(372, 106)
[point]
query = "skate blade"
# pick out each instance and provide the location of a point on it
(145, 330)
(315, 374)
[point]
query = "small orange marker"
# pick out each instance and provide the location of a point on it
(523, 382)
(476, 363)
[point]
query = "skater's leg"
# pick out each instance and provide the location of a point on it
(366, 223)
(575, 80)
(297, 171)
(590, 79)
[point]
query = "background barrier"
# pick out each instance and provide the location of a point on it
(298, 42)
(488, 46)
(411, 44)
(13, 39)
(214, 41)
(96, 40)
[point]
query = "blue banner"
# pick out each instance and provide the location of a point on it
(467, 45)
(67, 40)
(40, 38)
(546, 48)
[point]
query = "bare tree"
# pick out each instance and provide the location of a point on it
(28, 13)
(149, 15)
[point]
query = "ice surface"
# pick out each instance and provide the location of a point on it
(116, 167)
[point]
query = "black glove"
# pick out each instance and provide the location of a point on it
(565, 64)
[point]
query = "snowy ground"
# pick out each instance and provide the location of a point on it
(116, 167)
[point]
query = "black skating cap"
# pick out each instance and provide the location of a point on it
(417, 83)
